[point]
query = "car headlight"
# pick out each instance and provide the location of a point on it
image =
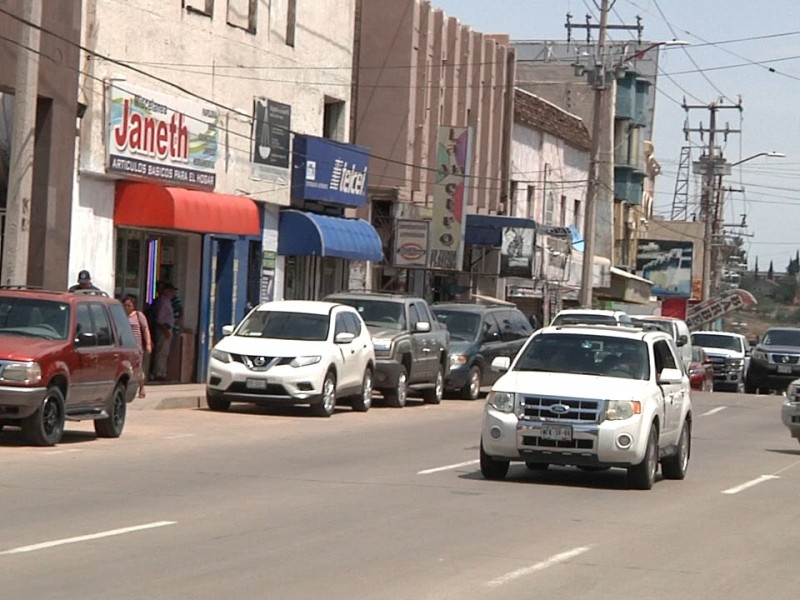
(27, 372)
(220, 355)
(619, 410)
(502, 401)
(791, 392)
(304, 361)
(382, 345)
(456, 360)
(759, 355)
(735, 362)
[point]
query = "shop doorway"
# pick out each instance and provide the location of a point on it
(223, 301)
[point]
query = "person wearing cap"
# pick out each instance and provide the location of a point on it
(164, 318)
(84, 282)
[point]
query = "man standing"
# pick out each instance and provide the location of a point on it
(84, 282)
(164, 322)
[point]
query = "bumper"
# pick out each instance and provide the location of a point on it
(20, 402)
(767, 375)
(790, 415)
(284, 384)
(457, 378)
(387, 372)
(593, 444)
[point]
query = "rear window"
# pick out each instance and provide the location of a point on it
(36, 318)
(462, 325)
(723, 342)
(587, 319)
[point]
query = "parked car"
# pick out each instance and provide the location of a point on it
(775, 361)
(679, 331)
(701, 371)
(294, 352)
(65, 356)
(729, 353)
(591, 397)
(790, 411)
(478, 334)
(411, 346)
(590, 316)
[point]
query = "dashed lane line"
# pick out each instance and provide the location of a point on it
(448, 467)
(540, 566)
(713, 411)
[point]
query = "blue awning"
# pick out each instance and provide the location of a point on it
(309, 234)
(487, 230)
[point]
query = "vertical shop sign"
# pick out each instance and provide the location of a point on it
(268, 259)
(454, 155)
(272, 124)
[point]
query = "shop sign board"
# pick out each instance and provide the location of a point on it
(712, 309)
(272, 125)
(454, 156)
(327, 171)
(516, 252)
(411, 244)
(668, 264)
(154, 136)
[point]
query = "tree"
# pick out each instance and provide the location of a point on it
(770, 272)
(794, 267)
(755, 271)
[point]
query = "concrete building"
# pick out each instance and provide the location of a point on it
(434, 106)
(56, 119)
(215, 137)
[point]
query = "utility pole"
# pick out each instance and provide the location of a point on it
(601, 177)
(23, 136)
(711, 165)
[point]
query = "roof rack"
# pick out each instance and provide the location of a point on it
(90, 292)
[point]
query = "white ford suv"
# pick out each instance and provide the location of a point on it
(592, 397)
(294, 352)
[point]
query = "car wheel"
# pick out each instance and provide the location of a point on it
(750, 387)
(492, 468)
(363, 401)
(396, 396)
(46, 426)
(327, 406)
(675, 467)
(434, 395)
(112, 426)
(217, 404)
(472, 388)
(537, 466)
(643, 475)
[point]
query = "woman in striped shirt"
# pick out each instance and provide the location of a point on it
(141, 331)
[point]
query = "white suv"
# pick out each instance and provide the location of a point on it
(591, 397)
(294, 352)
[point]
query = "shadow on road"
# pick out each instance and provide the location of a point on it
(568, 477)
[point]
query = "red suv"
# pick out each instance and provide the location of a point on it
(64, 355)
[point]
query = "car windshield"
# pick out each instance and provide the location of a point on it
(378, 314)
(588, 319)
(284, 325)
(653, 325)
(605, 356)
(723, 342)
(782, 337)
(461, 324)
(34, 318)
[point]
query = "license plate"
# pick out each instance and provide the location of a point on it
(256, 384)
(559, 433)
(784, 369)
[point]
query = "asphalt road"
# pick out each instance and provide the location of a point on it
(390, 505)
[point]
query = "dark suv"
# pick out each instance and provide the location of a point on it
(478, 334)
(64, 355)
(775, 361)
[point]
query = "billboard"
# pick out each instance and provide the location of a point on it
(668, 264)
(516, 252)
(454, 155)
(272, 124)
(329, 171)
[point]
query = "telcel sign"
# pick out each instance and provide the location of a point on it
(328, 171)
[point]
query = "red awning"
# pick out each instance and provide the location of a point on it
(158, 207)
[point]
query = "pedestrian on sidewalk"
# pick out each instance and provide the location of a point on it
(141, 331)
(84, 282)
(164, 318)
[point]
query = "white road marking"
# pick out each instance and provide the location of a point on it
(84, 538)
(713, 411)
(553, 560)
(64, 451)
(448, 467)
(179, 436)
(749, 484)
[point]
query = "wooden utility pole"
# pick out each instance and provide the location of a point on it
(23, 136)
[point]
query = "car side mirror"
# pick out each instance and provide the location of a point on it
(227, 329)
(682, 340)
(501, 364)
(422, 327)
(670, 376)
(491, 336)
(85, 339)
(344, 337)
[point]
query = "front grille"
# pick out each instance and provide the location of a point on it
(258, 362)
(532, 440)
(273, 389)
(718, 362)
(538, 407)
(785, 359)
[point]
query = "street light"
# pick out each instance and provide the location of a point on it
(601, 130)
(767, 154)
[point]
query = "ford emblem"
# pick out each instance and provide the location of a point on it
(559, 409)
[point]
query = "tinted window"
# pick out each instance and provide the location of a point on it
(664, 357)
(34, 318)
(512, 327)
(102, 326)
(724, 342)
(413, 316)
(461, 324)
(353, 323)
(284, 325)
(378, 313)
(422, 311)
(782, 337)
(341, 324)
(84, 326)
(586, 355)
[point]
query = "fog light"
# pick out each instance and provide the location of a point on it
(305, 386)
(495, 432)
(624, 441)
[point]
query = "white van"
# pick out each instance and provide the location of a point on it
(679, 331)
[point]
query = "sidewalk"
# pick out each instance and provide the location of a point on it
(179, 395)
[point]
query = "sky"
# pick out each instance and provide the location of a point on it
(719, 63)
